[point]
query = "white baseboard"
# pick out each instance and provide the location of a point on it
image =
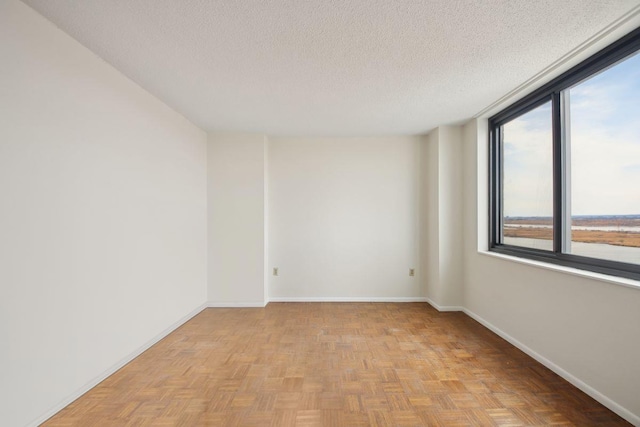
(347, 299)
(94, 382)
(444, 307)
(615, 407)
(236, 304)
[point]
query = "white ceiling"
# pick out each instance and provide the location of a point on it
(330, 67)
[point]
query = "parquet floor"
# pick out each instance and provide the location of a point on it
(334, 364)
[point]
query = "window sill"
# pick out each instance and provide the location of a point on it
(621, 281)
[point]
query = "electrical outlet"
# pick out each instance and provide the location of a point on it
(275, 271)
(412, 272)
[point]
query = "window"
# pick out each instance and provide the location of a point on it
(565, 167)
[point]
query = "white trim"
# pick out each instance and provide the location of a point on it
(118, 365)
(236, 304)
(621, 281)
(561, 64)
(444, 307)
(615, 407)
(347, 299)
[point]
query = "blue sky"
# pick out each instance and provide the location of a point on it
(605, 149)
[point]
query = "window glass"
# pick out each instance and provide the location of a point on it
(565, 167)
(604, 157)
(528, 180)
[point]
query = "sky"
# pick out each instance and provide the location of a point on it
(604, 149)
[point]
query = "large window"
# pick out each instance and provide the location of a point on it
(565, 167)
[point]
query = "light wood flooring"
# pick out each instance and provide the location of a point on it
(334, 364)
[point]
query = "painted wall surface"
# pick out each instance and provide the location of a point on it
(450, 215)
(343, 217)
(430, 237)
(102, 216)
(442, 216)
(428, 213)
(584, 326)
(237, 232)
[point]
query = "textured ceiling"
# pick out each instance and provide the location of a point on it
(330, 67)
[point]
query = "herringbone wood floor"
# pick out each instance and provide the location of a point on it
(333, 364)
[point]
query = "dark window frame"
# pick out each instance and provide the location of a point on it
(552, 91)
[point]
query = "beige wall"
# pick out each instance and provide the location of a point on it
(236, 213)
(102, 218)
(344, 218)
(442, 216)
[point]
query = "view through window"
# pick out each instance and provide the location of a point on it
(565, 167)
(605, 164)
(528, 180)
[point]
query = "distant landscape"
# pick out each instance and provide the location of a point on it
(618, 230)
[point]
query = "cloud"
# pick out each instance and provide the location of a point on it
(528, 175)
(605, 142)
(604, 149)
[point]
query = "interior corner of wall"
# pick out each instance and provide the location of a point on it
(482, 182)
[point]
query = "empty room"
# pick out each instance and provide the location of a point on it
(319, 213)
